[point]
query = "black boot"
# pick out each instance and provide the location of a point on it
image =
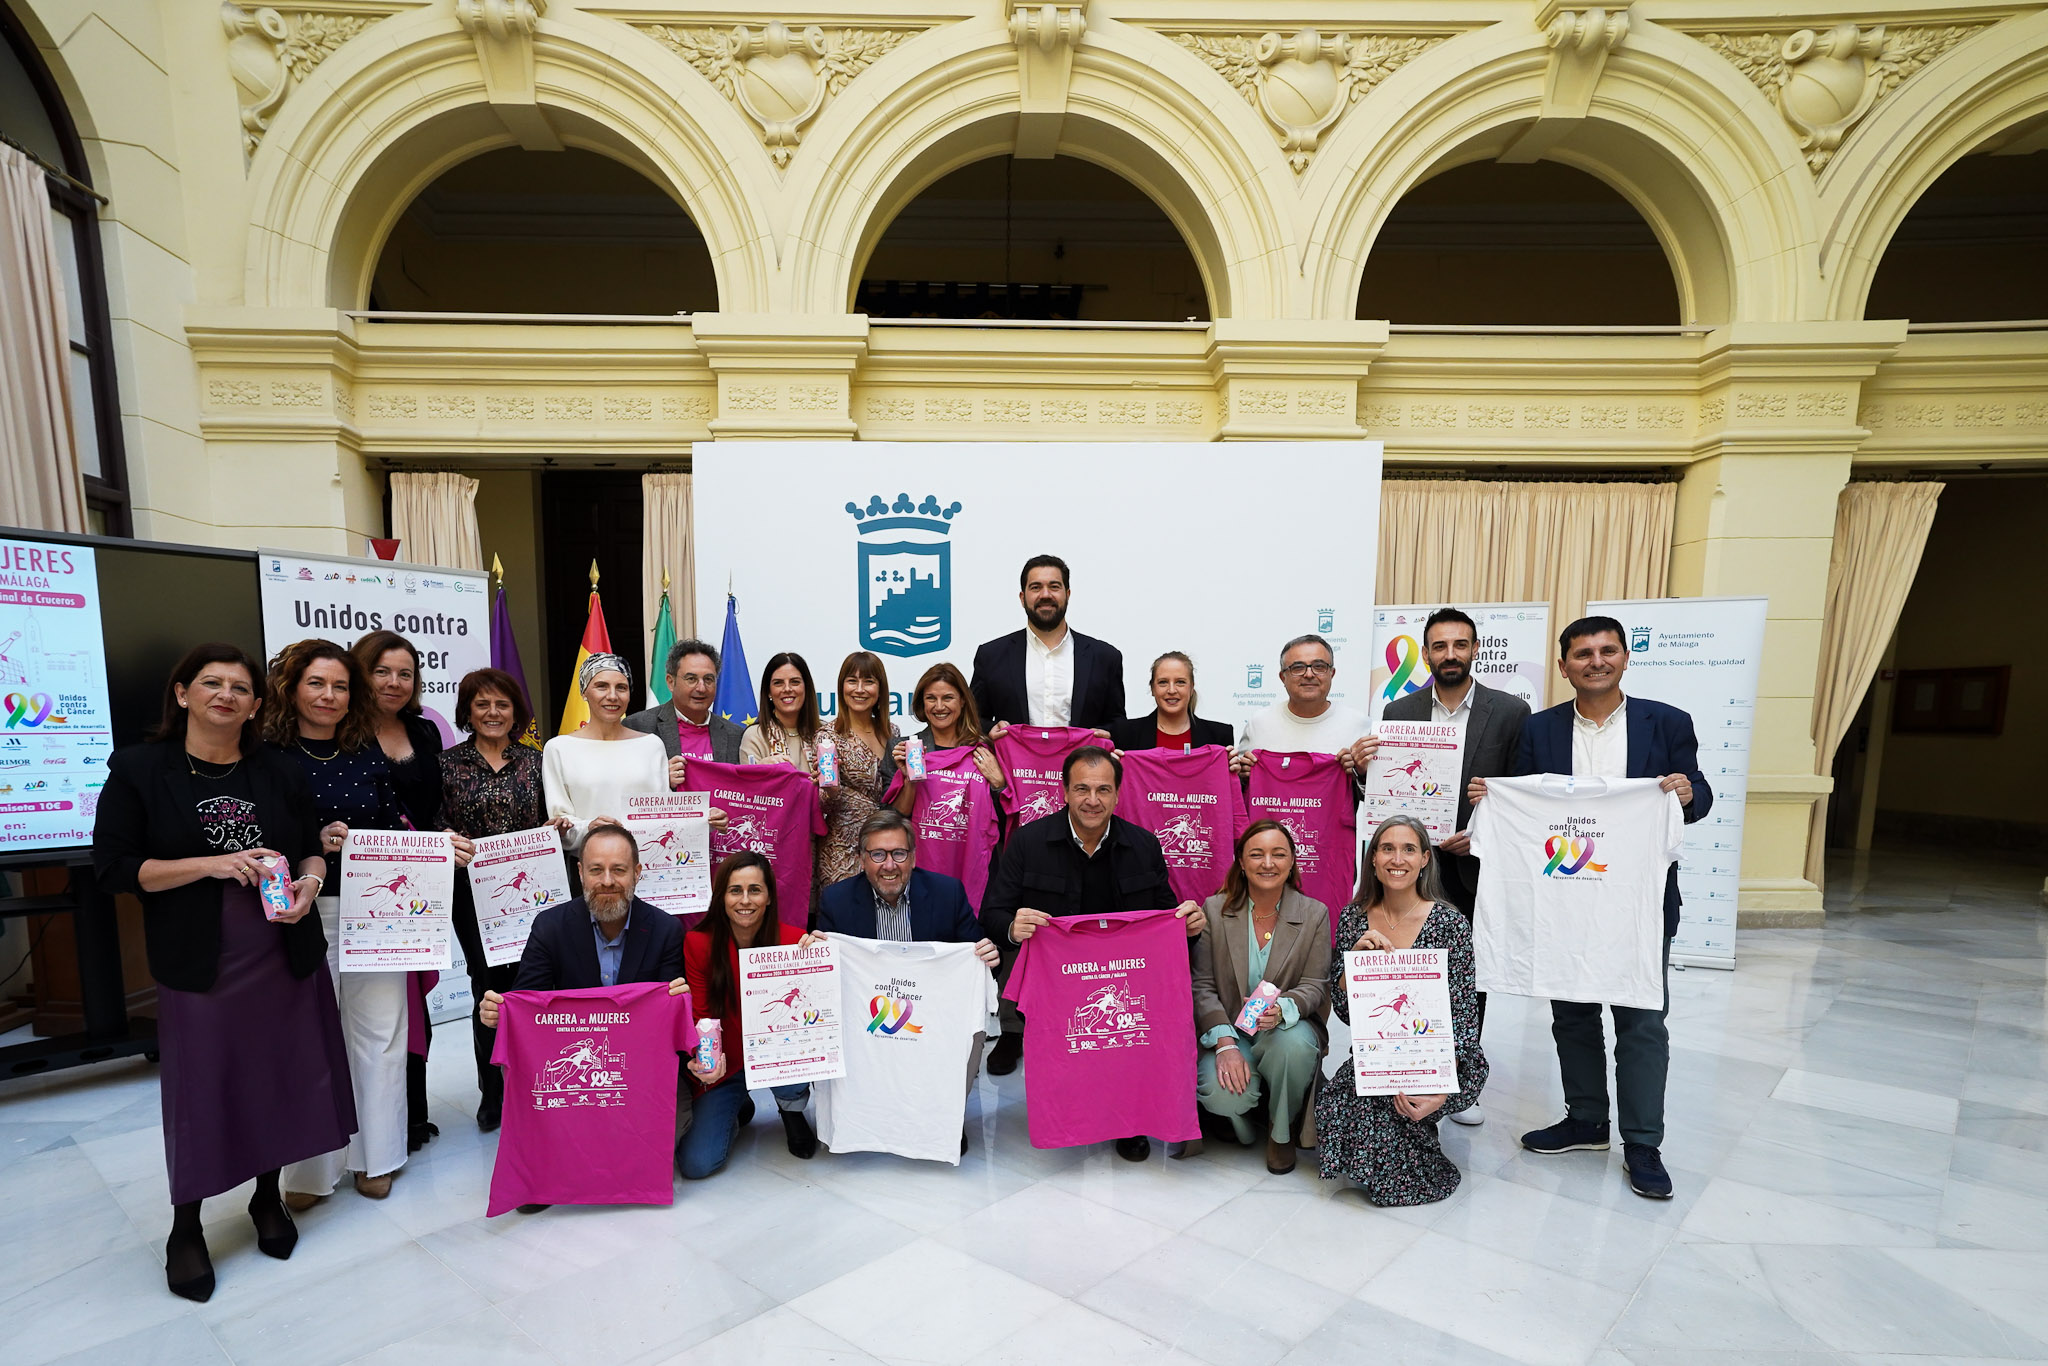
(803, 1142)
(1004, 1057)
(188, 1270)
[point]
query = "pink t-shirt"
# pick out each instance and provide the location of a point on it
(590, 1095)
(1109, 1029)
(772, 809)
(1031, 757)
(1192, 803)
(692, 742)
(955, 814)
(1312, 796)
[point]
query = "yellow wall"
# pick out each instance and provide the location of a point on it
(508, 524)
(1978, 600)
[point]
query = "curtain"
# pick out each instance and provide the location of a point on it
(39, 480)
(1457, 541)
(666, 546)
(434, 518)
(1880, 530)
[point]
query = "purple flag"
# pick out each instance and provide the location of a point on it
(505, 655)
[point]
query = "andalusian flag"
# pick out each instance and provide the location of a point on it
(596, 641)
(664, 641)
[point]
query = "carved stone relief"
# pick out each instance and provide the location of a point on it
(1302, 84)
(270, 51)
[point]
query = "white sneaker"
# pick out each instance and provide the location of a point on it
(1470, 1116)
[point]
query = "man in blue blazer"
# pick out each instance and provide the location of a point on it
(1047, 674)
(892, 898)
(1604, 734)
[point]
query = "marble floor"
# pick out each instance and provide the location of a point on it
(1858, 1131)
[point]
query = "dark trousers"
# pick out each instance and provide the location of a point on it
(482, 978)
(1642, 1057)
(1461, 891)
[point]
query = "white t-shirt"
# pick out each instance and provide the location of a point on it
(1571, 905)
(913, 1015)
(1281, 731)
(584, 778)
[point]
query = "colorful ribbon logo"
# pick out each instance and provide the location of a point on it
(890, 1015)
(1404, 658)
(18, 704)
(1567, 856)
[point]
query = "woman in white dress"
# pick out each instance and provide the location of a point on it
(587, 777)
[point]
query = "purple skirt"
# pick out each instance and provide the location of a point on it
(255, 1071)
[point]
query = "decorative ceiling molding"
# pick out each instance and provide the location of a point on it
(1825, 81)
(272, 49)
(779, 76)
(1303, 83)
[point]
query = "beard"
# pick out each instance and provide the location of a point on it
(1047, 615)
(609, 907)
(1451, 673)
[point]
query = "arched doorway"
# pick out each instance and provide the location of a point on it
(1493, 243)
(513, 231)
(1974, 247)
(1049, 239)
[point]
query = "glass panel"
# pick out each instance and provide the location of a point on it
(82, 406)
(65, 234)
(96, 520)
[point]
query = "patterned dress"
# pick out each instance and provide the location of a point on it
(1364, 1139)
(863, 778)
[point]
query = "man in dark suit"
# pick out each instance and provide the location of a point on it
(603, 938)
(1085, 860)
(892, 898)
(1491, 722)
(1603, 734)
(692, 672)
(1048, 674)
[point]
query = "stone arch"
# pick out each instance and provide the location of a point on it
(1994, 81)
(1692, 146)
(406, 100)
(1126, 112)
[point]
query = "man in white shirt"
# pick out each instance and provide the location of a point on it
(1308, 722)
(1047, 674)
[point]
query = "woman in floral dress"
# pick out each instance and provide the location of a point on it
(866, 742)
(1388, 1145)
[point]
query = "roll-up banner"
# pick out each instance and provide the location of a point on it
(1514, 650)
(445, 613)
(1701, 655)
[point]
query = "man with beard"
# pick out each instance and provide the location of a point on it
(1490, 722)
(1048, 674)
(603, 938)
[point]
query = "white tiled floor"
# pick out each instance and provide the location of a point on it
(1858, 1130)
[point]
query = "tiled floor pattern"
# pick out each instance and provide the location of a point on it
(1858, 1131)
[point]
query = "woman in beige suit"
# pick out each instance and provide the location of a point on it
(1262, 929)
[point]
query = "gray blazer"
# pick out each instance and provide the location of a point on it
(661, 720)
(1491, 734)
(1298, 962)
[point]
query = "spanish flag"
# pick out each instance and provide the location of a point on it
(596, 641)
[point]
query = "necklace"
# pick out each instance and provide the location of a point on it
(1272, 921)
(193, 762)
(322, 758)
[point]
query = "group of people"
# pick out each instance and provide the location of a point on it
(277, 1066)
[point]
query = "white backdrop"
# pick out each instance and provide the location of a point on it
(445, 613)
(1701, 654)
(1223, 550)
(1514, 650)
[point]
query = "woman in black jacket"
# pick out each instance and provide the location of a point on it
(1173, 723)
(255, 1073)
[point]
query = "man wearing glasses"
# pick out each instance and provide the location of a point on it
(1308, 722)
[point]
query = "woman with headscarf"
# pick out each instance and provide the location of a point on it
(587, 776)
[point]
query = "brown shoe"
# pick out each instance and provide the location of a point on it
(298, 1202)
(376, 1187)
(1279, 1157)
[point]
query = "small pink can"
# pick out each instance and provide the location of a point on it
(1257, 1004)
(708, 1040)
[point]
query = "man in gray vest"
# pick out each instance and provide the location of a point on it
(692, 686)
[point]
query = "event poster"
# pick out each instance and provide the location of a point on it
(397, 898)
(789, 1014)
(913, 549)
(674, 830)
(512, 879)
(445, 613)
(56, 733)
(1512, 652)
(1401, 1034)
(1701, 655)
(1415, 773)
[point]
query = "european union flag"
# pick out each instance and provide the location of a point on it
(736, 700)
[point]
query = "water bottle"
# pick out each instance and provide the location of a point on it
(1257, 1004)
(709, 1034)
(828, 760)
(913, 759)
(276, 891)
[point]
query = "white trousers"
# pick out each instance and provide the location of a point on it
(373, 1025)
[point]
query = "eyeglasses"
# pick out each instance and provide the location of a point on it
(1319, 668)
(881, 856)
